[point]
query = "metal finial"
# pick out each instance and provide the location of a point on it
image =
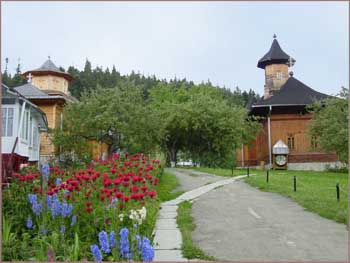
(291, 73)
(274, 36)
(49, 57)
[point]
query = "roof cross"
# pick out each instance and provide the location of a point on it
(29, 78)
(291, 62)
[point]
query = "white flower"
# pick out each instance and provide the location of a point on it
(121, 217)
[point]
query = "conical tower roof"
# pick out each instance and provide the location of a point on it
(274, 56)
(48, 68)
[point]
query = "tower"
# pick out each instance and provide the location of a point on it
(275, 63)
(49, 78)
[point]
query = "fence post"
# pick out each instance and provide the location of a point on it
(267, 176)
(248, 171)
(295, 183)
(338, 194)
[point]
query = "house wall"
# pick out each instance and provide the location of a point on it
(283, 126)
(50, 82)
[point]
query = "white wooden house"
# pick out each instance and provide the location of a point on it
(22, 123)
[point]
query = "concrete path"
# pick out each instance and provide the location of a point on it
(241, 223)
(168, 239)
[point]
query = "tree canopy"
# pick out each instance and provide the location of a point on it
(328, 126)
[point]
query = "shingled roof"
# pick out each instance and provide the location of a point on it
(274, 56)
(47, 68)
(32, 92)
(292, 93)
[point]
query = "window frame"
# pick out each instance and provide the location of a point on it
(7, 133)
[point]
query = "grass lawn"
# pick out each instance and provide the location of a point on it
(316, 191)
(185, 222)
(226, 172)
(167, 183)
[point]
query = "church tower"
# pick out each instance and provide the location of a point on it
(49, 78)
(275, 63)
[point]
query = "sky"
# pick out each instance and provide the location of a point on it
(221, 42)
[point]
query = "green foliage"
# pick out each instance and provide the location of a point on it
(167, 183)
(200, 122)
(185, 222)
(328, 126)
(117, 116)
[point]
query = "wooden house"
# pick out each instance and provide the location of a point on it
(47, 88)
(285, 118)
(22, 124)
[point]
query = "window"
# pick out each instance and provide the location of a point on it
(291, 144)
(7, 122)
(25, 126)
(279, 75)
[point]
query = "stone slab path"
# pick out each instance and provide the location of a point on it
(168, 239)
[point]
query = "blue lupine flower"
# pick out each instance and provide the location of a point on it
(139, 243)
(37, 208)
(96, 253)
(147, 250)
(32, 198)
(62, 229)
(55, 208)
(48, 201)
(124, 242)
(43, 231)
(58, 181)
(104, 243)
(74, 220)
(45, 169)
(29, 223)
(135, 226)
(112, 239)
(66, 209)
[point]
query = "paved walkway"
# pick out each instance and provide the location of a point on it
(237, 222)
(241, 223)
(168, 239)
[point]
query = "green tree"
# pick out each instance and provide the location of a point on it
(116, 116)
(201, 122)
(328, 126)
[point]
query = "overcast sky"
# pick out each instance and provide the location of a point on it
(198, 40)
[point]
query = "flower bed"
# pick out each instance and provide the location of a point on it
(105, 212)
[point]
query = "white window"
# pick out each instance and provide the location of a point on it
(25, 126)
(279, 75)
(7, 122)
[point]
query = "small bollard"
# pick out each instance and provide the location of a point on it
(338, 194)
(267, 176)
(295, 183)
(248, 171)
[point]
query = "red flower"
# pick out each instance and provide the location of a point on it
(88, 209)
(116, 181)
(151, 194)
(102, 197)
(125, 198)
(119, 195)
(107, 182)
(88, 203)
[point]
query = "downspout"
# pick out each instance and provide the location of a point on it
(269, 136)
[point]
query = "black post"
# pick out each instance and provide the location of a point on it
(248, 171)
(295, 183)
(338, 194)
(267, 176)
